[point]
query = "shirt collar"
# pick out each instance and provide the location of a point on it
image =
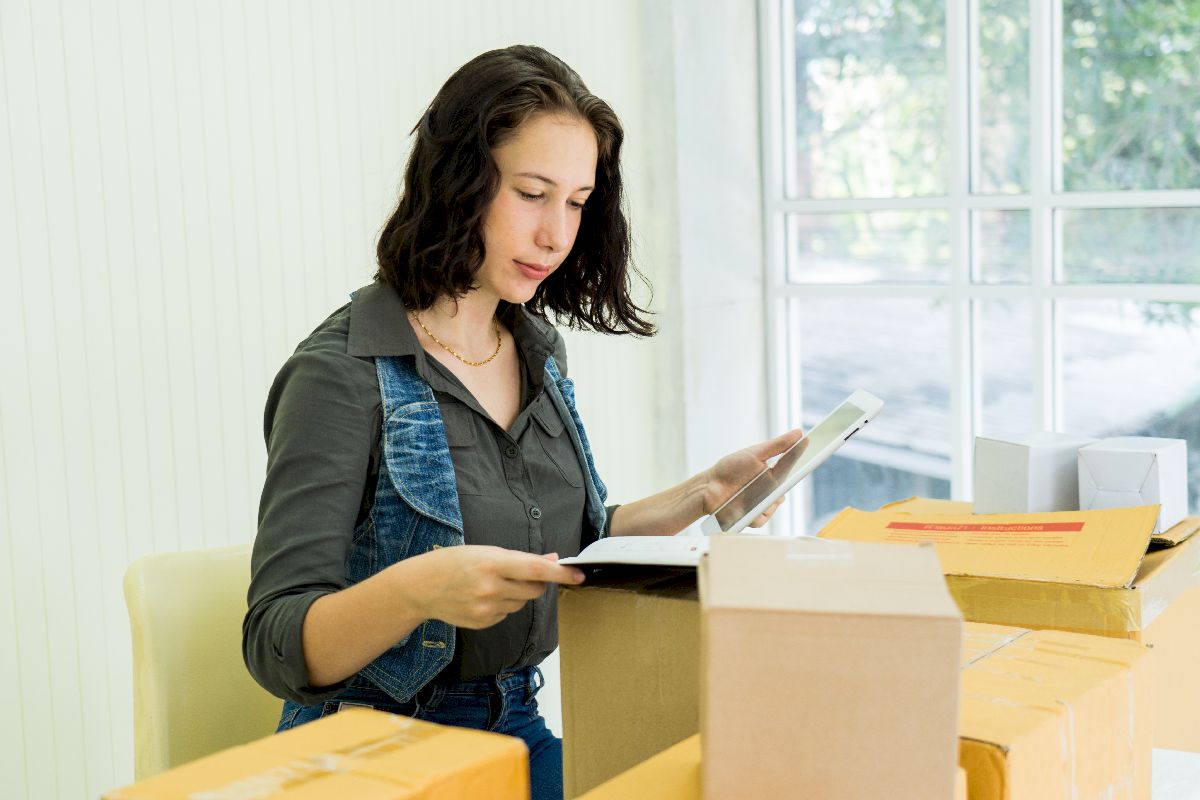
(379, 323)
(379, 326)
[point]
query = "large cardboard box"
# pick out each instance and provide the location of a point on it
(673, 774)
(359, 753)
(1034, 472)
(816, 652)
(1051, 714)
(629, 651)
(1075, 588)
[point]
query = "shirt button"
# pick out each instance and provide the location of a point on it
(535, 512)
(510, 451)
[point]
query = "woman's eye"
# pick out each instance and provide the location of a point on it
(577, 205)
(528, 196)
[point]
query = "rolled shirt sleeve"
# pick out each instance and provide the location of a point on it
(322, 416)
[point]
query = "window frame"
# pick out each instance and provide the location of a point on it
(1045, 198)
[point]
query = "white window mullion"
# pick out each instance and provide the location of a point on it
(1159, 198)
(961, 79)
(777, 98)
(1042, 149)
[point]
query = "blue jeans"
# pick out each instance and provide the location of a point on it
(503, 704)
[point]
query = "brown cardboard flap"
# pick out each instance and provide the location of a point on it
(1094, 548)
(1178, 534)
(928, 505)
(819, 575)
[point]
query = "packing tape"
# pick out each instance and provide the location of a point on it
(1066, 746)
(1040, 604)
(300, 771)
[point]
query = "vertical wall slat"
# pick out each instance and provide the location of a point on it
(18, 743)
(52, 372)
(89, 329)
(222, 320)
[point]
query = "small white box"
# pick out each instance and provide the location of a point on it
(1025, 474)
(1136, 471)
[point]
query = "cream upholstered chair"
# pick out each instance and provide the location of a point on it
(192, 694)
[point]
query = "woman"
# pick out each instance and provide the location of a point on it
(426, 463)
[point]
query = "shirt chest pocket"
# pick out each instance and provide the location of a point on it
(555, 440)
(470, 467)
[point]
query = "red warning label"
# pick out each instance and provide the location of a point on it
(1036, 527)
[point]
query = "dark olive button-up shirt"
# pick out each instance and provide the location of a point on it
(521, 489)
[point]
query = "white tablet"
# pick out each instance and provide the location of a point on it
(794, 464)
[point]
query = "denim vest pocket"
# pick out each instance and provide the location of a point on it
(419, 464)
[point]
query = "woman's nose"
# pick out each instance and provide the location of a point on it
(554, 231)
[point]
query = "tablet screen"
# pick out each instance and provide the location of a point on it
(795, 460)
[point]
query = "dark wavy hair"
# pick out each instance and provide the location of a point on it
(433, 243)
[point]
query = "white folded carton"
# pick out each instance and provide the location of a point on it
(1135, 471)
(1027, 474)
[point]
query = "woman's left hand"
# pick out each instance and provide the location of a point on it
(736, 469)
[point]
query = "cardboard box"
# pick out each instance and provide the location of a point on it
(1136, 470)
(629, 650)
(1073, 570)
(824, 651)
(359, 753)
(1050, 714)
(1032, 473)
(673, 774)
(1159, 606)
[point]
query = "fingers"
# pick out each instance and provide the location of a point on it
(773, 447)
(765, 517)
(544, 569)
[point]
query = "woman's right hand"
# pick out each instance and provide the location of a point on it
(476, 586)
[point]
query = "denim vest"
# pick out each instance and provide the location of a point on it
(416, 508)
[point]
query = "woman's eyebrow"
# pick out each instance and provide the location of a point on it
(544, 179)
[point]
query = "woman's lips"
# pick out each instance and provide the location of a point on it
(532, 271)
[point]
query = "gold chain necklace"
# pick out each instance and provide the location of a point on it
(446, 347)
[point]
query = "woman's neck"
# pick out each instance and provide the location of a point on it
(467, 321)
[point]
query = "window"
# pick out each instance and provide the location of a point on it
(987, 212)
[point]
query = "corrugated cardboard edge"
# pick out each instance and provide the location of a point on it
(1176, 574)
(1178, 534)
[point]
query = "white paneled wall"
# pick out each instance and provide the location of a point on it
(188, 188)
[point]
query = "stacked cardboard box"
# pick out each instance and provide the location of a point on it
(1050, 714)
(645, 631)
(795, 635)
(357, 753)
(674, 774)
(1044, 714)
(1109, 577)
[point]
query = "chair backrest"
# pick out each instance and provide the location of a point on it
(192, 694)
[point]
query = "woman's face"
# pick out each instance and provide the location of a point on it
(547, 170)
